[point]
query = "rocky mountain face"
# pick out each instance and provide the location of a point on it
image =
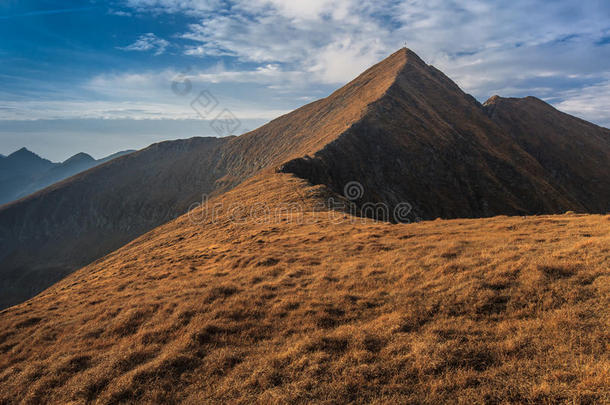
(23, 172)
(427, 143)
(403, 130)
(574, 153)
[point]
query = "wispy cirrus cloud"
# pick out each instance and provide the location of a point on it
(47, 12)
(148, 42)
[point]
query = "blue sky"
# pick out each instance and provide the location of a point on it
(97, 76)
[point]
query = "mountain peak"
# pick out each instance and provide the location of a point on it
(495, 99)
(492, 100)
(399, 60)
(23, 152)
(25, 155)
(411, 56)
(79, 157)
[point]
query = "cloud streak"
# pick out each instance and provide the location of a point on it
(148, 42)
(47, 12)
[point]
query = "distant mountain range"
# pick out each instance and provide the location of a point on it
(402, 129)
(24, 172)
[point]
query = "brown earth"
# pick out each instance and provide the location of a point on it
(295, 303)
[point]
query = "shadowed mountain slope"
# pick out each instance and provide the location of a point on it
(574, 152)
(427, 143)
(315, 306)
(402, 129)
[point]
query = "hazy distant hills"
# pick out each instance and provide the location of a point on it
(24, 172)
(18, 170)
(49, 234)
(402, 129)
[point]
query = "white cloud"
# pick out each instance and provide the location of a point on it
(332, 40)
(176, 109)
(486, 46)
(591, 103)
(195, 7)
(304, 10)
(342, 60)
(272, 55)
(119, 13)
(148, 42)
(150, 95)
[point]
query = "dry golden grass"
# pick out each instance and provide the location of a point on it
(498, 310)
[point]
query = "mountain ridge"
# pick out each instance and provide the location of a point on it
(574, 152)
(436, 135)
(93, 228)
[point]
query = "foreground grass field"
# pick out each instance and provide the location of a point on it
(327, 309)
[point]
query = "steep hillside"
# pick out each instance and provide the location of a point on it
(310, 128)
(53, 232)
(295, 304)
(428, 143)
(574, 153)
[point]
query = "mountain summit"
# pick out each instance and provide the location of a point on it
(19, 169)
(402, 130)
(424, 141)
(79, 158)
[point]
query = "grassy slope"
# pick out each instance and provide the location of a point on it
(325, 308)
(49, 234)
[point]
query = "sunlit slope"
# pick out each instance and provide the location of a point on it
(320, 306)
